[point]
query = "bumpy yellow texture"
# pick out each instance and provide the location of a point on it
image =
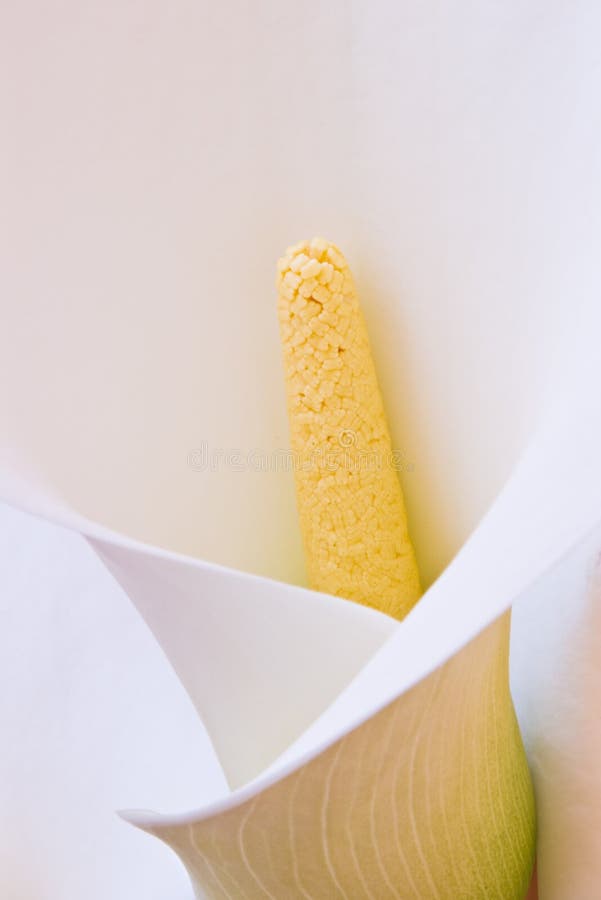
(351, 508)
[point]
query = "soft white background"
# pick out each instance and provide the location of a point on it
(91, 719)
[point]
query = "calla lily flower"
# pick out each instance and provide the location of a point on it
(160, 158)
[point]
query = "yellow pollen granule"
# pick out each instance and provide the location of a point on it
(351, 508)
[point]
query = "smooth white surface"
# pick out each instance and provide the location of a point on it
(260, 659)
(556, 683)
(92, 719)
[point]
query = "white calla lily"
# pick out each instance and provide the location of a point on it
(160, 158)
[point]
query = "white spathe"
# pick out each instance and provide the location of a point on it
(157, 161)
